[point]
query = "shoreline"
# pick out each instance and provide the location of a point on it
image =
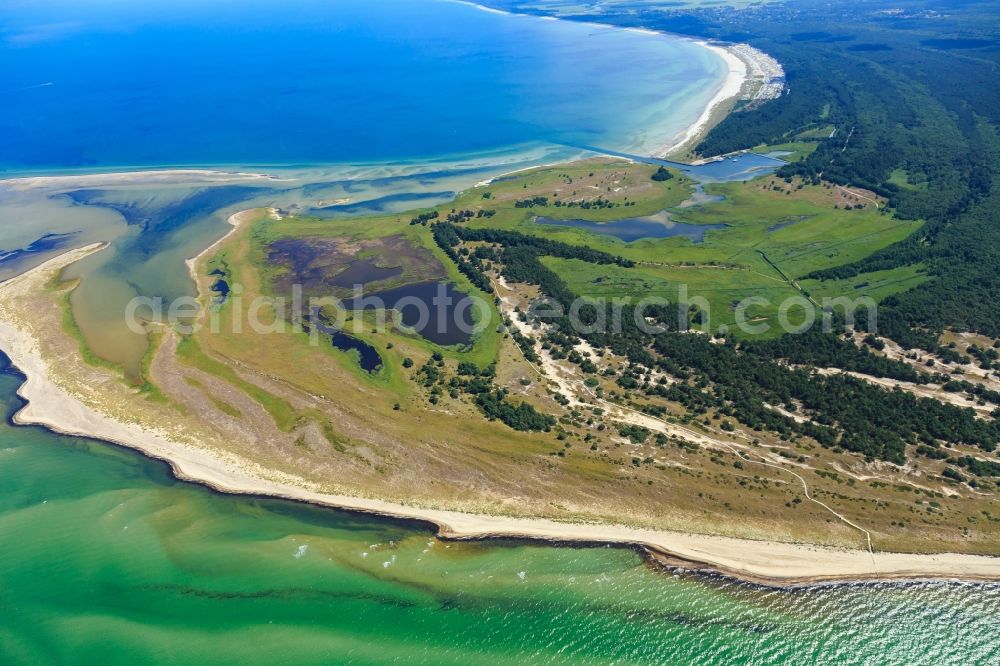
(769, 563)
(715, 111)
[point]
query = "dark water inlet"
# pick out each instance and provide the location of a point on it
(743, 166)
(738, 167)
(43, 244)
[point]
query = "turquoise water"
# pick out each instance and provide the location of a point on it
(105, 558)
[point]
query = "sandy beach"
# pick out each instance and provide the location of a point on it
(730, 89)
(54, 406)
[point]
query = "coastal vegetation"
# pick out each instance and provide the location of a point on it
(639, 415)
(872, 421)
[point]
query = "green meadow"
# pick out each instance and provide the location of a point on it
(775, 234)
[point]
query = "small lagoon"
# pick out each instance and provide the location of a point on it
(742, 166)
(737, 167)
(635, 228)
(368, 357)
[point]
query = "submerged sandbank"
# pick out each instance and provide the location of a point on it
(144, 177)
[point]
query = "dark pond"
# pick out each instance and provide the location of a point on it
(221, 285)
(368, 358)
(221, 289)
(363, 271)
(787, 222)
(437, 311)
(633, 228)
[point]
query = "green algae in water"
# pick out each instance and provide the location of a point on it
(106, 558)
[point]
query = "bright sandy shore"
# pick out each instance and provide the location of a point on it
(52, 406)
(730, 89)
(736, 76)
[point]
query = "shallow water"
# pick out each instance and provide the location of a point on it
(105, 558)
(414, 99)
(361, 272)
(47, 243)
(154, 228)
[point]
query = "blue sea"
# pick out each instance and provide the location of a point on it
(104, 84)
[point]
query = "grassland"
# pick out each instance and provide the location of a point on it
(485, 346)
(751, 256)
(775, 233)
(877, 285)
